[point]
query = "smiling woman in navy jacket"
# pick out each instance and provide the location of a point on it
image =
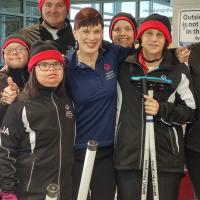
(92, 80)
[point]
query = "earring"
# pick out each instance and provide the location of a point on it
(76, 45)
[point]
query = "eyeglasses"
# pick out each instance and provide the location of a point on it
(120, 29)
(44, 66)
(11, 51)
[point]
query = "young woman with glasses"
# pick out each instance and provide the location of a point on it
(37, 133)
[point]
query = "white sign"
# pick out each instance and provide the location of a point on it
(189, 26)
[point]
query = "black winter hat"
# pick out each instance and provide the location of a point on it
(42, 50)
(159, 22)
(123, 16)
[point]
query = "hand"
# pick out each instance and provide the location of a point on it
(182, 54)
(151, 106)
(10, 93)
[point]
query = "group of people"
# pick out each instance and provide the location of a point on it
(55, 98)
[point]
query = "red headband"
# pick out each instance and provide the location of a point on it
(17, 40)
(153, 24)
(41, 2)
(122, 18)
(48, 54)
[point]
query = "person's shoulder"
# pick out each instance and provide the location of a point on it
(70, 53)
(21, 101)
(70, 58)
(33, 28)
(180, 68)
(110, 47)
(106, 44)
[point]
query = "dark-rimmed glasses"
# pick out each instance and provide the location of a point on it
(10, 51)
(44, 66)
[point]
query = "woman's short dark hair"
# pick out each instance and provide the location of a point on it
(32, 86)
(87, 17)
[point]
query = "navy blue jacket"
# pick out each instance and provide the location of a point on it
(94, 93)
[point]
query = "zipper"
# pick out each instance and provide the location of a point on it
(142, 117)
(60, 145)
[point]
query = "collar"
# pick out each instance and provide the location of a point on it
(73, 61)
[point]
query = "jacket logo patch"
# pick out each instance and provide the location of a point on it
(108, 71)
(5, 130)
(106, 67)
(163, 76)
(68, 112)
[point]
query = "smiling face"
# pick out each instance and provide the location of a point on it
(51, 77)
(123, 34)
(153, 42)
(89, 38)
(54, 13)
(16, 56)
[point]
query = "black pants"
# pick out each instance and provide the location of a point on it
(129, 184)
(193, 165)
(103, 183)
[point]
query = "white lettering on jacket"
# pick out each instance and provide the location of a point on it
(69, 113)
(5, 131)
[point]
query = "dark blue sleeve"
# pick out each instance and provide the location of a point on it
(121, 53)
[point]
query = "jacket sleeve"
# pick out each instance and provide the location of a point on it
(180, 106)
(121, 53)
(3, 106)
(10, 137)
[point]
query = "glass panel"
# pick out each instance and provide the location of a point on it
(76, 7)
(162, 9)
(35, 1)
(9, 25)
(144, 9)
(106, 33)
(108, 9)
(32, 9)
(129, 7)
(11, 6)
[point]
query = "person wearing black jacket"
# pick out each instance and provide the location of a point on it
(15, 51)
(37, 133)
(170, 108)
(192, 138)
(53, 25)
